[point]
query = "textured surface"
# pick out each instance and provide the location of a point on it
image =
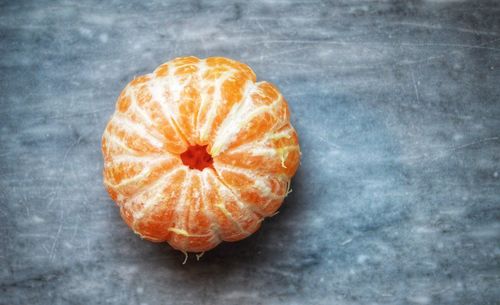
(396, 103)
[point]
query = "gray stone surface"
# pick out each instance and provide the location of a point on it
(397, 105)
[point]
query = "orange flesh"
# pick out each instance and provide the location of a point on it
(198, 152)
(197, 157)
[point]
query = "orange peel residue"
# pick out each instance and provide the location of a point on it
(198, 152)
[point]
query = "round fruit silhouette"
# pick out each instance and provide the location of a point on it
(198, 152)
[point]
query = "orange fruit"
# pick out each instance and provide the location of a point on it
(198, 152)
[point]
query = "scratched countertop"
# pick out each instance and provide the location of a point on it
(397, 106)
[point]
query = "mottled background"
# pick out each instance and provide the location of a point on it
(397, 105)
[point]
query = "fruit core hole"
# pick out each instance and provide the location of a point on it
(197, 157)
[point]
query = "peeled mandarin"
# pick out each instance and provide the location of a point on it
(198, 152)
